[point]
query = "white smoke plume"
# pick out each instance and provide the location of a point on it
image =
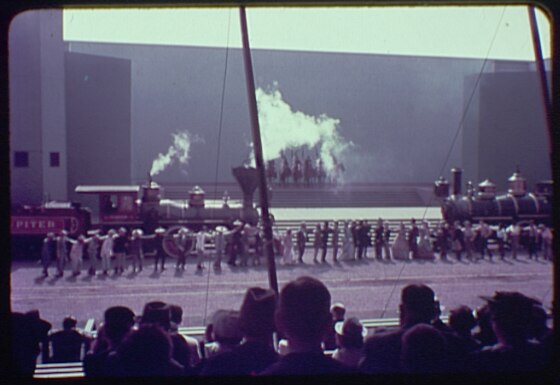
(178, 151)
(283, 129)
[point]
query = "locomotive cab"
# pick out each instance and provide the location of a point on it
(117, 204)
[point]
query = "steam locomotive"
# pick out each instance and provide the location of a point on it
(517, 205)
(132, 207)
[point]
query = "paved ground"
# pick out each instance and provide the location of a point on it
(369, 289)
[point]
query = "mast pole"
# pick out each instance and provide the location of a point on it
(257, 146)
(541, 72)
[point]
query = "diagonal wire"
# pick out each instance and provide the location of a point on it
(218, 152)
(457, 132)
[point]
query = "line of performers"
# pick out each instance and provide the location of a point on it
(109, 252)
(346, 240)
(414, 242)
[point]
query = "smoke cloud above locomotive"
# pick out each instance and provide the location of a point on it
(283, 129)
(178, 151)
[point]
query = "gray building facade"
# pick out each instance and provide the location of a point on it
(112, 108)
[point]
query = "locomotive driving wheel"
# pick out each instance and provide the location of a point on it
(171, 240)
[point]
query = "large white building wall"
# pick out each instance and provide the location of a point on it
(53, 106)
(25, 108)
(37, 116)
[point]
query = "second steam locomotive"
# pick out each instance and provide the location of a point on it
(518, 205)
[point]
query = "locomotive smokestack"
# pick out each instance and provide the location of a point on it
(457, 176)
(248, 179)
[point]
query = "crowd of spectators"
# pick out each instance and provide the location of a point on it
(509, 333)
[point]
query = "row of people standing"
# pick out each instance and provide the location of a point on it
(244, 242)
(102, 251)
(414, 242)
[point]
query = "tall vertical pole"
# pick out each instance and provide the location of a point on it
(257, 145)
(541, 72)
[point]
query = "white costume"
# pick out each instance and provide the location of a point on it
(288, 256)
(399, 249)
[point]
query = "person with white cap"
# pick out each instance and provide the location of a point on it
(107, 250)
(350, 336)
(220, 234)
(160, 252)
(93, 243)
(120, 246)
(137, 249)
(76, 254)
(200, 244)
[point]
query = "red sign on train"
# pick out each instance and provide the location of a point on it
(36, 225)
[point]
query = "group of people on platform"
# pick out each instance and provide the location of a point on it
(313, 337)
(243, 244)
(307, 171)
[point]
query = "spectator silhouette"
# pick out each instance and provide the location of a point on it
(350, 336)
(424, 349)
(226, 333)
(29, 331)
(176, 313)
(146, 352)
(485, 334)
(67, 343)
(256, 353)
(383, 351)
(303, 316)
(118, 321)
(511, 314)
(159, 313)
(338, 312)
(462, 321)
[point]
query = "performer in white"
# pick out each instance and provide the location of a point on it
(400, 250)
(199, 245)
(107, 250)
(424, 244)
(513, 233)
(288, 243)
(347, 243)
(76, 254)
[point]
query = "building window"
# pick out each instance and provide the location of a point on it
(55, 159)
(21, 159)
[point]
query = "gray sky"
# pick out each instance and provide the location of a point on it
(498, 32)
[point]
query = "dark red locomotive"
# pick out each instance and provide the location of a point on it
(517, 205)
(132, 206)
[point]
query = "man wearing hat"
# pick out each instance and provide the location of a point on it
(182, 242)
(160, 252)
(236, 242)
(48, 252)
(226, 333)
(220, 234)
(159, 313)
(511, 314)
(256, 352)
